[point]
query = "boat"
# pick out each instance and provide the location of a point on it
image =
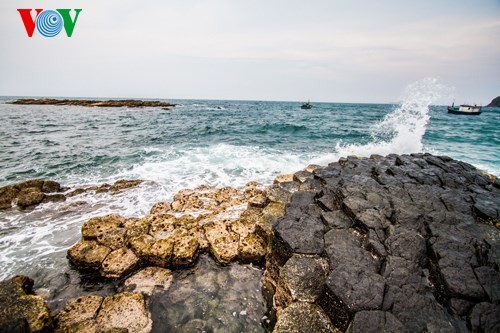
(464, 109)
(306, 106)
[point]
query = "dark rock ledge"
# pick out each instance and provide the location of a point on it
(130, 103)
(31, 193)
(405, 243)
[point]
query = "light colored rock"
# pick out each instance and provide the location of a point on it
(119, 262)
(97, 225)
(113, 238)
(160, 207)
(136, 227)
(88, 254)
(186, 248)
(124, 311)
(79, 312)
(276, 209)
(223, 243)
(148, 280)
(160, 253)
(283, 178)
(252, 248)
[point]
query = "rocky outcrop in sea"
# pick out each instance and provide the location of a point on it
(130, 103)
(31, 193)
(403, 243)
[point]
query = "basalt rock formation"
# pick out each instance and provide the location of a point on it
(130, 103)
(229, 224)
(403, 243)
(31, 193)
(399, 244)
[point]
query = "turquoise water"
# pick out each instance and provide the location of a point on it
(223, 143)
(220, 142)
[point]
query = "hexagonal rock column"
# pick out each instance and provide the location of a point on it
(231, 224)
(121, 312)
(410, 240)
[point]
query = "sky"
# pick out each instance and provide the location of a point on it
(282, 50)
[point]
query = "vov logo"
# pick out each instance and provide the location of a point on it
(49, 23)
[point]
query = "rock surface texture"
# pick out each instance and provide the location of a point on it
(230, 224)
(31, 193)
(20, 310)
(405, 243)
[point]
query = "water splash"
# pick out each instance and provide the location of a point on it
(402, 130)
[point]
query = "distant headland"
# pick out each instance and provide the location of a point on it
(131, 103)
(495, 103)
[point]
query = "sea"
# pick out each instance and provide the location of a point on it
(214, 142)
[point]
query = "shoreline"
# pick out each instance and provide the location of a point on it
(351, 219)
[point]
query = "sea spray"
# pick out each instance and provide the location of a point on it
(402, 130)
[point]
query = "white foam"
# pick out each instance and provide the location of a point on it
(402, 130)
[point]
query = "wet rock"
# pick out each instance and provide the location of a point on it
(30, 196)
(160, 207)
(118, 263)
(293, 319)
(124, 311)
(79, 314)
(54, 198)
(88, 254)
(32, 183)
(50, 186)
(123, 184)
(20, 310)
(149, 280)
(7, 196)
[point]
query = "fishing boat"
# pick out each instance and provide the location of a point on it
(464, 109)
(306, 106)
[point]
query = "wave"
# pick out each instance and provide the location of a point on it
(402, 130)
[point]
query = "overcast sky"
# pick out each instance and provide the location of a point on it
(323, 50)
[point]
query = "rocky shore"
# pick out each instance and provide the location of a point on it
(403, 243)
(31, 193)
(130, 103)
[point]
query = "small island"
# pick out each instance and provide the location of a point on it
(131, 103)
(495, 103)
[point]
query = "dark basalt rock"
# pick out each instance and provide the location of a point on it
(376, 321)
(412, 244)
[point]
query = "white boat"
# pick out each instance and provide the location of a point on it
(464, 109)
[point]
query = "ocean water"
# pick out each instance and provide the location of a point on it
(200, 142)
